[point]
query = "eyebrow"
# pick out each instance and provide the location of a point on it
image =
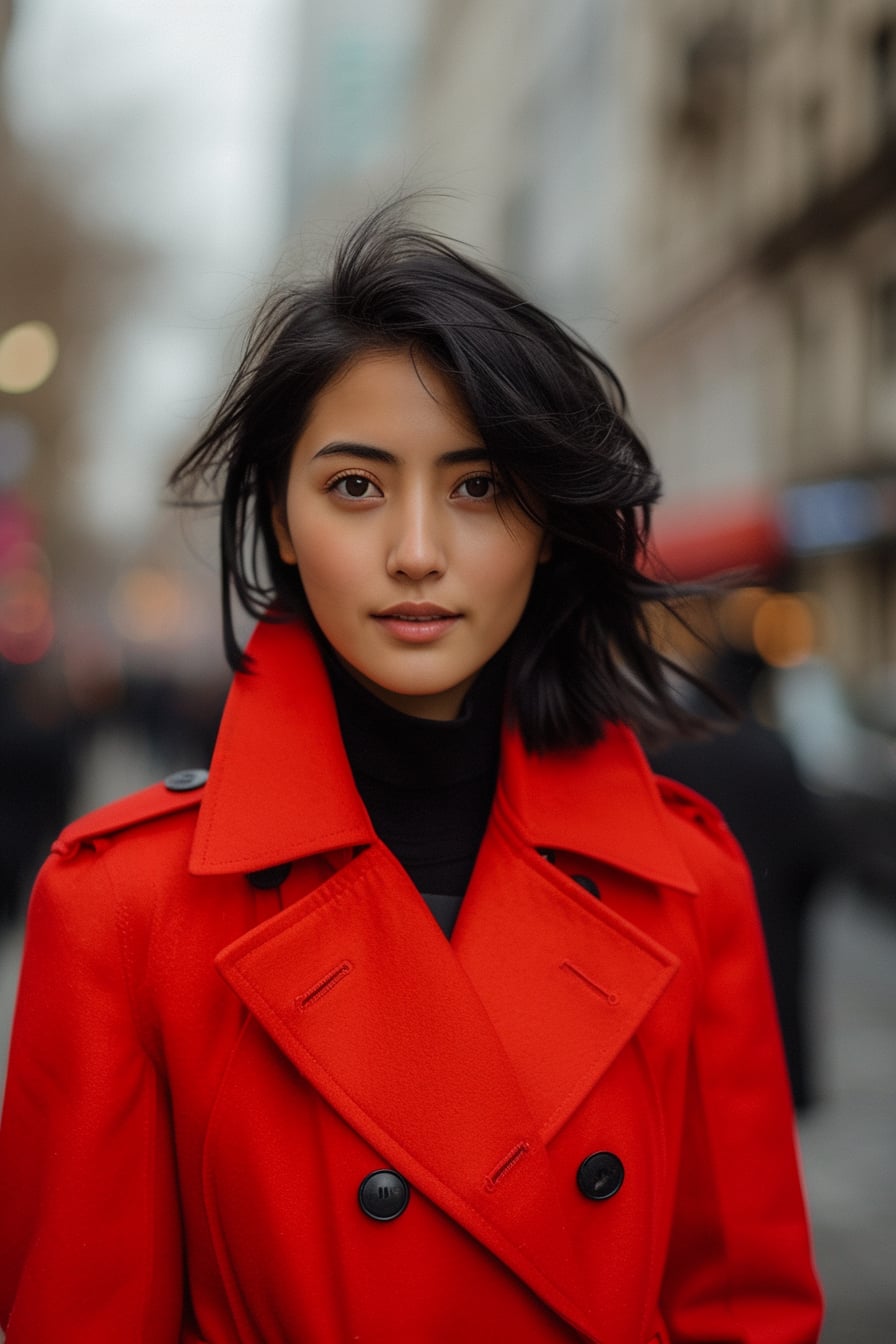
(368, 453)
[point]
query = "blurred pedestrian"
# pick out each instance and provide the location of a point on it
(38, 755)
(750, 774)
(430, 1014)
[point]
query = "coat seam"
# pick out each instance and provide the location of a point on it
(151, 1104)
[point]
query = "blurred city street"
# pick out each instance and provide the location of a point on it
(706, 194)
(847, 1139)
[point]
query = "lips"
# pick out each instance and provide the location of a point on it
(417, 622)
(416, 611)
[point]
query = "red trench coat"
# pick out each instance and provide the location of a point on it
(204, 1069)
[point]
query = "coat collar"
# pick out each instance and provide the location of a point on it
(280, 787)
(600, 801)
(445, 1086)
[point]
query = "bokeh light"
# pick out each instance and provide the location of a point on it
(26, 612)
(786, 629)
(28, 355)
(148, 606)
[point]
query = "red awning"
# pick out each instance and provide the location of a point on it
(712, 536)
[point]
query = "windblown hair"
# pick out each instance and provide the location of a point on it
(552, 415)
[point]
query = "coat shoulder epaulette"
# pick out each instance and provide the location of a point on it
(177, 793)
(691, 807)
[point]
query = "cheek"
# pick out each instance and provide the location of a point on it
(331, 561)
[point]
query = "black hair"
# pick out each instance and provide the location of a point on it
(552, 415)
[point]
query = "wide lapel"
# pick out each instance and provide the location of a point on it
(360, 989)
(456, 1061)
(565, 981)
(356, 983)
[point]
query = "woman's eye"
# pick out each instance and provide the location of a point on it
(478, 487)
(354, 487)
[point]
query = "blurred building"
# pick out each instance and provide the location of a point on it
(356, 66)
(507, 117)
(519, 116)
(761, 303)
(60, 286)
(90, 632)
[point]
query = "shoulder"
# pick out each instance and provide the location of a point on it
(704, 836)
(725, 906)
(178, 795)
(114, 870)
(691, 811)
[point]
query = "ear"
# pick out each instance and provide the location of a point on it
(280, 524)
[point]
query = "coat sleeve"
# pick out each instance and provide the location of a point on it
(90, 1241)
(740, 1263)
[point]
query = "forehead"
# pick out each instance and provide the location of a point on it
(393, 396)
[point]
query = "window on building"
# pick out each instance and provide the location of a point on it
(881, 376)
(814, 126)
(883, 65)
(810, 336)
(884, 318)
(713, 72)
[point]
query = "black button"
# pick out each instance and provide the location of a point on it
(182, 781)
(384, 1195)
(549, 855)
(266, 878)
(587, 883)
(600, 1175)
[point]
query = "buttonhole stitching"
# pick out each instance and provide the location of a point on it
(474, 1213)
(316, 992)
(608, 994)
(502, 1168)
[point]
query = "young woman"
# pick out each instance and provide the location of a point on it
(427, 1014)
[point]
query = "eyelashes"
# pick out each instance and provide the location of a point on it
(354, 485)
(478, 487)
(492, 488)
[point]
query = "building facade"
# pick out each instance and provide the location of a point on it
(761, 299)
(518, 117)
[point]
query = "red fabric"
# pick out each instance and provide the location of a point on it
(203, 1073)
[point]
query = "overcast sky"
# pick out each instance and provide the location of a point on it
(176, 113)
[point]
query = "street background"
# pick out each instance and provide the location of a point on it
(706, 191)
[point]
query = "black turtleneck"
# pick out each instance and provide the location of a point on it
(427, 784)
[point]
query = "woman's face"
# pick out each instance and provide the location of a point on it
(414, 568)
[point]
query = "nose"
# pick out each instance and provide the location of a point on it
(416, 547)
